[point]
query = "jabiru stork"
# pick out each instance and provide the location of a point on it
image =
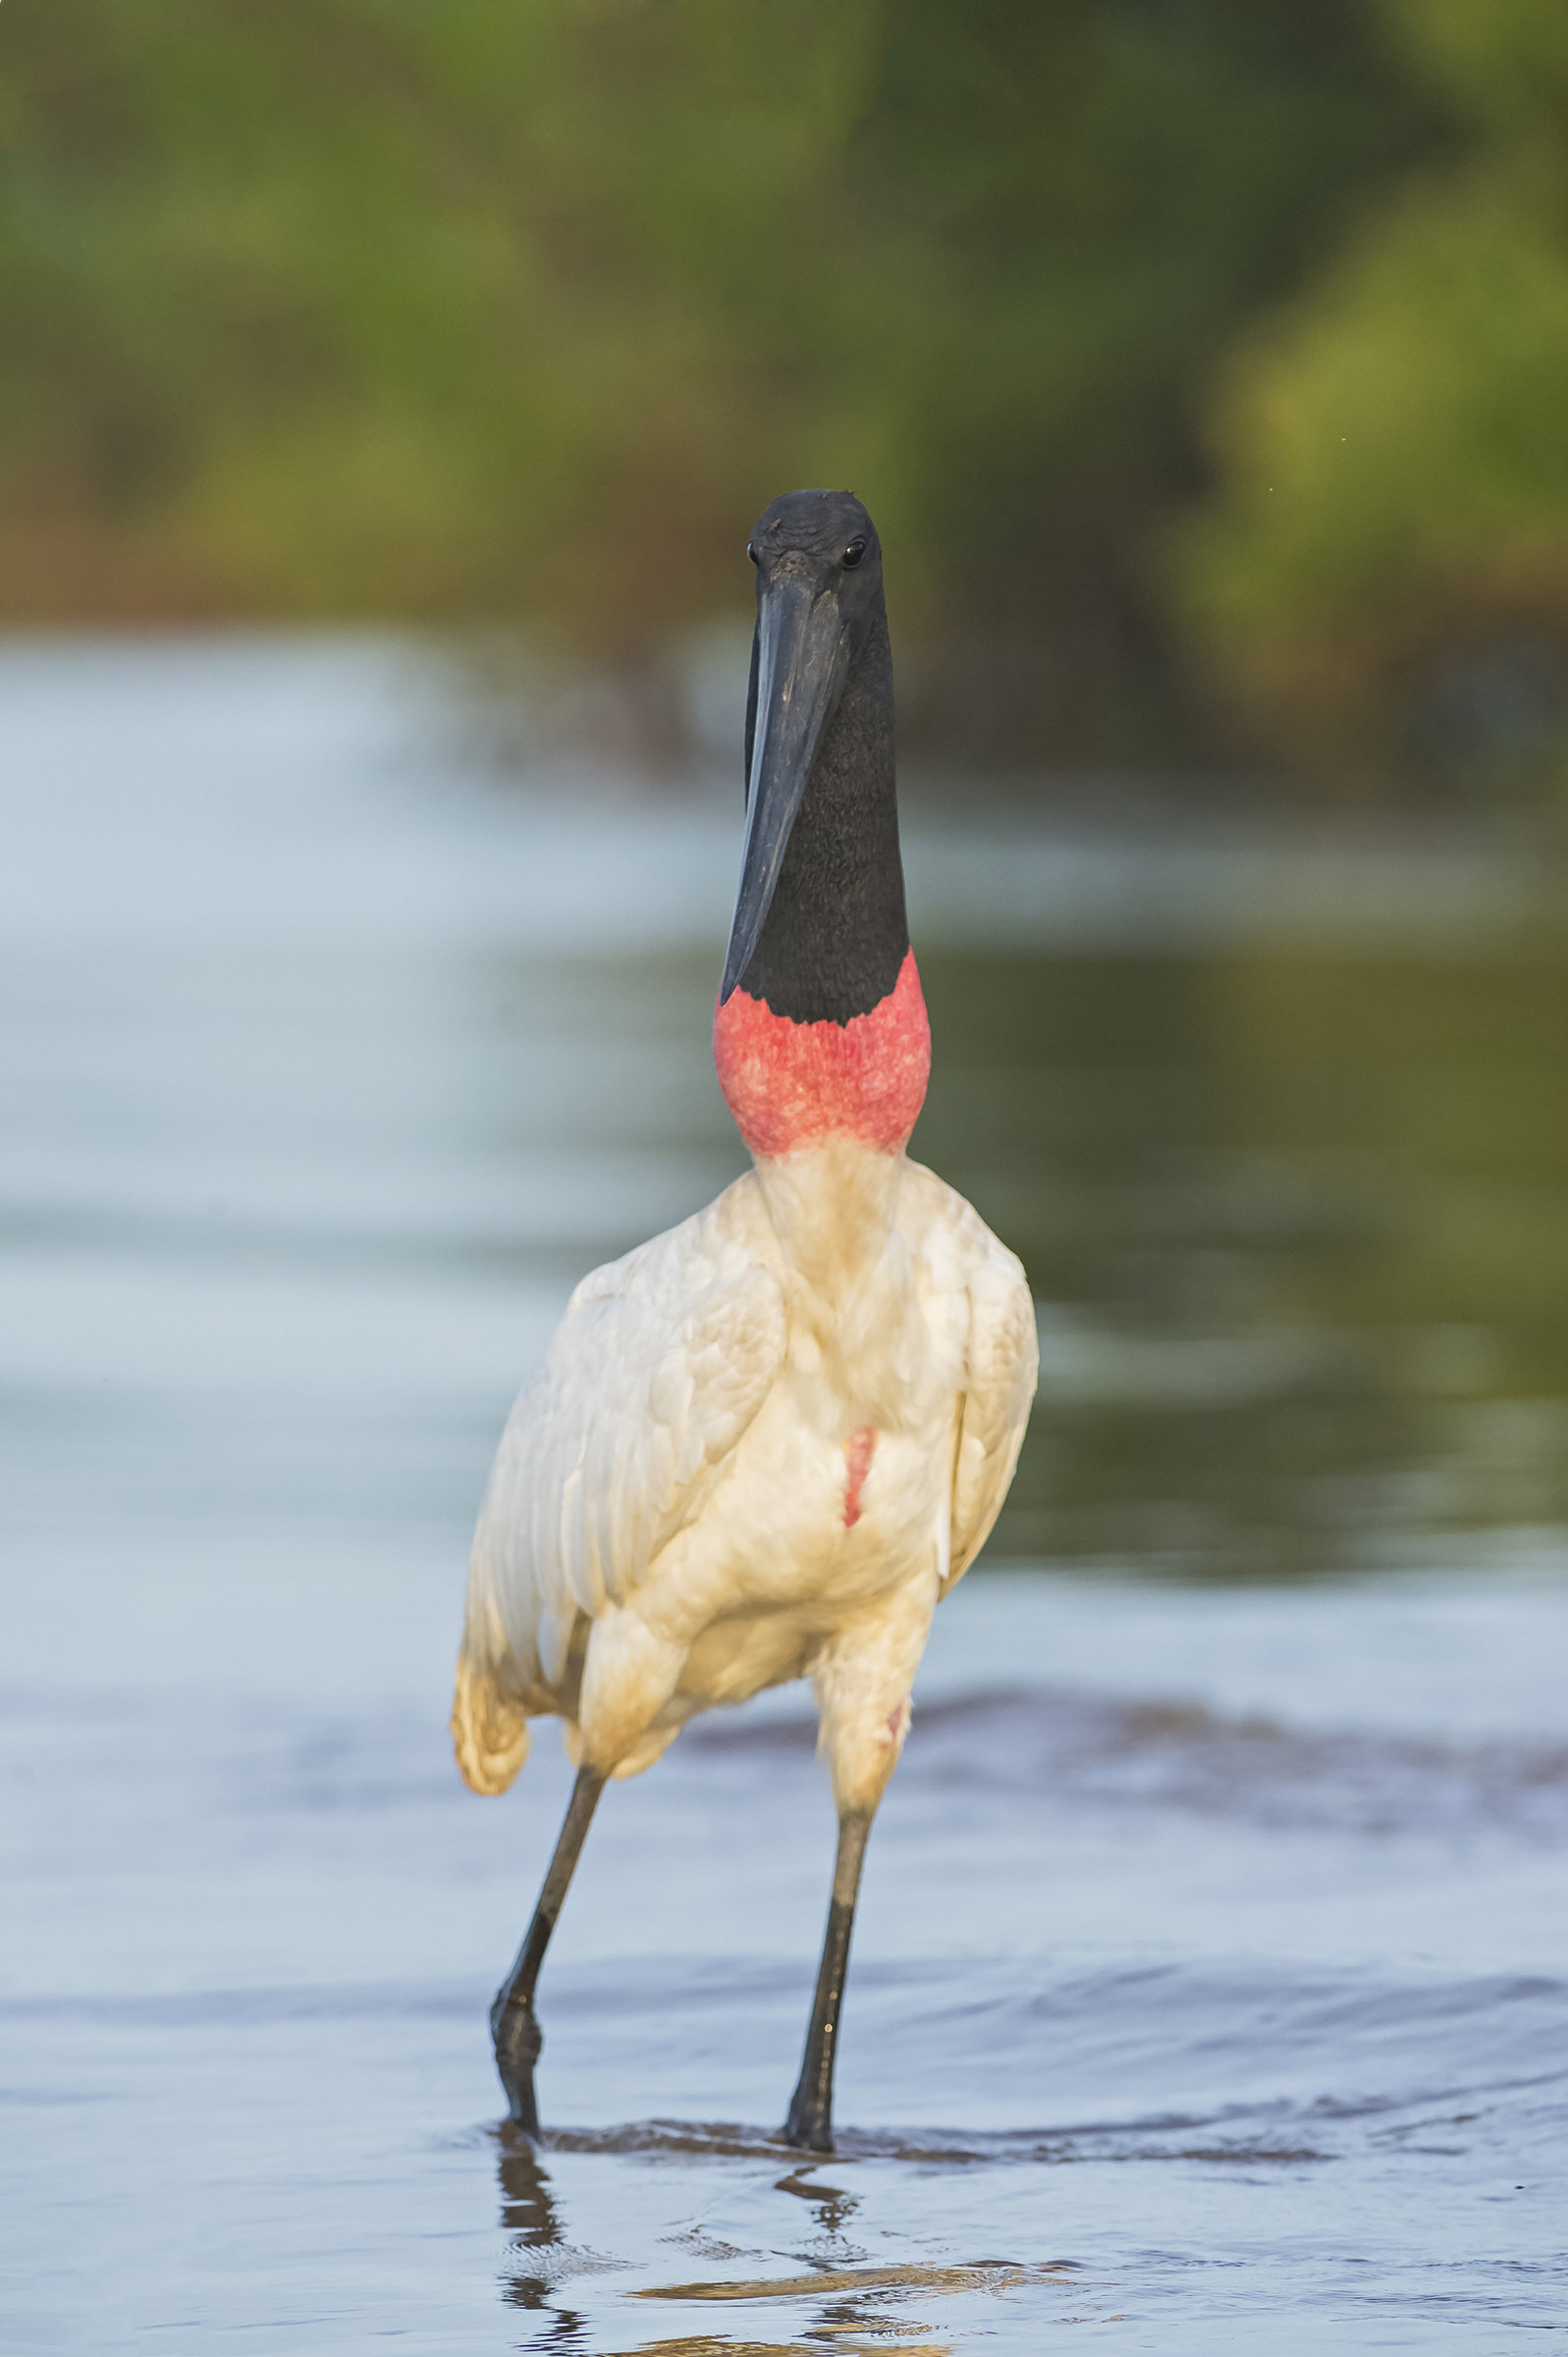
(763, 1445)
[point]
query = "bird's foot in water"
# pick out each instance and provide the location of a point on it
(515, 2032)
(809, 2126)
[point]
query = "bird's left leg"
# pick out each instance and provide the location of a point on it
(513, 2023)
(810, 2121)
(862, 1677)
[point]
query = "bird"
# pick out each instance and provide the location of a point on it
(763, 1445)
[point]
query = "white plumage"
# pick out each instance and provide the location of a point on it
(675, 1517)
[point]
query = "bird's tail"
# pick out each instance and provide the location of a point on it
(489, 1731)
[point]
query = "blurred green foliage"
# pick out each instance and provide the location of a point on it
(525, 308)
(1385, 570)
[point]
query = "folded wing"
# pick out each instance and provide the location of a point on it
(1002, 1367)
(659, 1365)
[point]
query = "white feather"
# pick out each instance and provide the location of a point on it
(674, 1519)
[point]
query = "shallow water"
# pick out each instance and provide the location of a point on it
(1207, 1990)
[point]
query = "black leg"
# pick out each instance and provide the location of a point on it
(810, 2121)
(512, 2025)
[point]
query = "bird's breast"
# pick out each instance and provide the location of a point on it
(828, 1502)
(840, 1488)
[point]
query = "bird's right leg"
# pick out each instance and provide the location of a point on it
(513, 2023)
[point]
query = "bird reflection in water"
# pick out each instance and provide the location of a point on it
(834, 2206)
(528, 2215)
(854, 2305)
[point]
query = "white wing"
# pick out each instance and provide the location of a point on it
(659, 1365)
(1002, 1367)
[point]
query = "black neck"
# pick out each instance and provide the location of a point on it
(836, 934)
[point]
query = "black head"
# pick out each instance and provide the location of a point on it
(826, 538)
(821, 685)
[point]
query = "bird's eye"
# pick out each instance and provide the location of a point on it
(751, 552)
(853, 554)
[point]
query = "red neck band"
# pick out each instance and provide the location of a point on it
(791, 1084)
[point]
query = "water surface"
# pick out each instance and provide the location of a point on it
(1207, 1990)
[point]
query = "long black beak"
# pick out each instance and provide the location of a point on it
(803, 655)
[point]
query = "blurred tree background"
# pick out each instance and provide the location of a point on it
(1202, 361)
(1383, 570)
